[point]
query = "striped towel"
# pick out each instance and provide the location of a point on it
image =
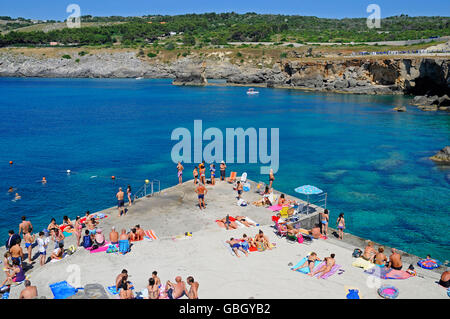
(150, 235)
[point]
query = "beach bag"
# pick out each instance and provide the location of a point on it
(112, 249)
(71, 250)
(300, 239)
(357, 253)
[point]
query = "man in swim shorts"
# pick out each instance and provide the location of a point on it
(176, 290)
(193, 291)
(113, 236)
(395, 260)
(201, 192)
(42, 242)
(445, 279)
(180, 173)
(29, 240)
(120, 202)
(30, 292)
(16, 253)
(25, 226)
(235, 245)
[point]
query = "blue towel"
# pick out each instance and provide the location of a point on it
(62, 290)
(113, 291)
(5, 295)
(304, 270)
(124, 246)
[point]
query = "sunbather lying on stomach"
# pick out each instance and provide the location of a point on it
(228, 222)
(315, 231)
(292, 231)
(235, 244)
(329, 263)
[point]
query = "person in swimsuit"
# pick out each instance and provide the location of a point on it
(395, 260)
(130, 201)
(29, 240)
(30, 292)
(58, 252)
(120, 277)
(25, 226)
(369, 252)
(16, 253)
(153, 290)
(201, 192)
(52, 224)
(132, 235)
(156, 278)
(329, 263)
(260, 237)
(324, 220)
(17, 197)
(180, 173)
(120, 202)
(99, 239)
(310, 262)
(445, 279)
(223, 166)
(78, 228)
(15, 275)
(228, 222)
(380, 257)
(239, 189)
(235, 246)
(195, 173)
(244, 221)
(212, 170)
(193, 291)
(67, 222)
(126, 292)
(11, 189)
(176, 290)
(7, 262)
(139, 232)
(271, 178)
(114, 236)
(249, 242)
(202, 170)
(341, 225)
(57, 237)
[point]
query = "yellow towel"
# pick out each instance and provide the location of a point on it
(362, 263)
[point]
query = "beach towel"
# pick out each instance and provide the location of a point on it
(397, 274)
(162, 292)
(362, 263)
(5, 295)
(56, 260)
(100, 249)
(113, 291)
(333, 270)
(230, 250)
(304, 270)
(240, 225)
(150, 234)
(124, 246)
(251, 221)
(275, 208)
(62, 290)
(66, 234)
(379, 272)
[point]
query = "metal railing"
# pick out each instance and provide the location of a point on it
(148, 189)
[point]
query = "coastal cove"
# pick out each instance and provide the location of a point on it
(373, 162)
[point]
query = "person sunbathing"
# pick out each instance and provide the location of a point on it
(261, 238)
(120, 277)
(140, 233)
(380, 258)
(235, 245)
(52, 224)
(369, 252)
(314, 232)
(132, 235)
(310, 262)
(291, 231)
(228, 222)
(283, 201)
(176, 290)
(126, 292)
(244, 221)
(329, 263)
(445, 279)
(67, 222)
(58, 252)
(99, 238)
(153, 290)
(250, 241)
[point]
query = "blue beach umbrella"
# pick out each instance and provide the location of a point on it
(308, 190)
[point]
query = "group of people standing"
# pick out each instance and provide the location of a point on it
(199, 173)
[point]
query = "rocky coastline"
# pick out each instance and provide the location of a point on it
(427, 78)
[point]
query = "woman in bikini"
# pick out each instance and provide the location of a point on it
(129, 195)
(310, 262)
(195, 173)
(180, 173)
(244, 221)
(369, 252)
(52, 224)
(212, 170)
(271, 178)
(67, 222)
(324, 218)
(78, 227)
(341, 225)
(153, 290)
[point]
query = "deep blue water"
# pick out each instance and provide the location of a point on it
(371, 161)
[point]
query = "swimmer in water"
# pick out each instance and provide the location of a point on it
(17, 197)
(11, 189)
(44, 180)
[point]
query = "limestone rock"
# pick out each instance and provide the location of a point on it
(443, 156)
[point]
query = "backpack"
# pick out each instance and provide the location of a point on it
(357, 253)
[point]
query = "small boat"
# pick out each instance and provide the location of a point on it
(252, 91)
(139, 78)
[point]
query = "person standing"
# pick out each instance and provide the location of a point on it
(13, 239)
(324, 218)
(202, 170)
(201, 192)
(195, 173)
(42, 242)
(341, 225)
(129, 195)
(29, 240)
(25, 226)
(271, 178)
(212, 169)
(180, 173)
(239, 188)
(120, 202)
(223, 166)
(78, 227)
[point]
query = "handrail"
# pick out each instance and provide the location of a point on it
(148, 189)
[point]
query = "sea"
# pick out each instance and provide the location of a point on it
(372, 162)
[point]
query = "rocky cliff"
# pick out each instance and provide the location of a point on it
(417, 76)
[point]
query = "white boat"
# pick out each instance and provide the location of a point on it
(139, 78)
(252, 91)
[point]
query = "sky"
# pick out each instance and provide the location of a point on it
(56, 9)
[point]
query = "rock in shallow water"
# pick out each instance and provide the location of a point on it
(443, 156)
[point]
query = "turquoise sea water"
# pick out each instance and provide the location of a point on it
(371, 161)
